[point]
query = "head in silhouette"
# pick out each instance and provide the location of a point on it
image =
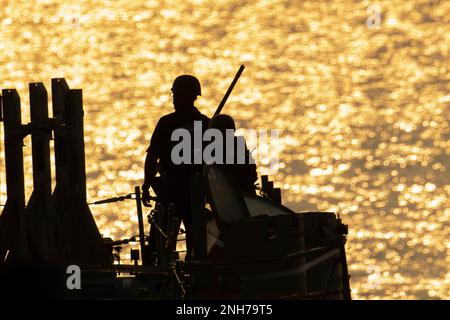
(222, 122)
(185, 90)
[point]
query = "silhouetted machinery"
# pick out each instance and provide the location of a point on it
(261, 249)
(245, 246)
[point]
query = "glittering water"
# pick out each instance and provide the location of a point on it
(363, 112)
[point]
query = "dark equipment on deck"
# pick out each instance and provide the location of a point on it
(269, 251)
(245, 247)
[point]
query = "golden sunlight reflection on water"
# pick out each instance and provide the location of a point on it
(363, 113)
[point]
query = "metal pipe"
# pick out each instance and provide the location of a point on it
(227, 94)
(141, 224)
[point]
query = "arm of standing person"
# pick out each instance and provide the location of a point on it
(151, 162)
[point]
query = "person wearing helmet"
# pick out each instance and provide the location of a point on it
(174, 178)
(244, 174)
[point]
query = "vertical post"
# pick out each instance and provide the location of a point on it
(81, 242)
(13, 229)
(276, 195)
(141, 224)
(264, 182)
(59, 91)
(40, 141)
(269, 190)
(43, 221)
(61, 193)
(77, 164)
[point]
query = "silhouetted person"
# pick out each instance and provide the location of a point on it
(243, 173)
(174, 181)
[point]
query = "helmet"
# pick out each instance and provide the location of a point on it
(222, 122)
(187, 84)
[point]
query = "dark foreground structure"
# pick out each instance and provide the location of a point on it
(244, 246)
